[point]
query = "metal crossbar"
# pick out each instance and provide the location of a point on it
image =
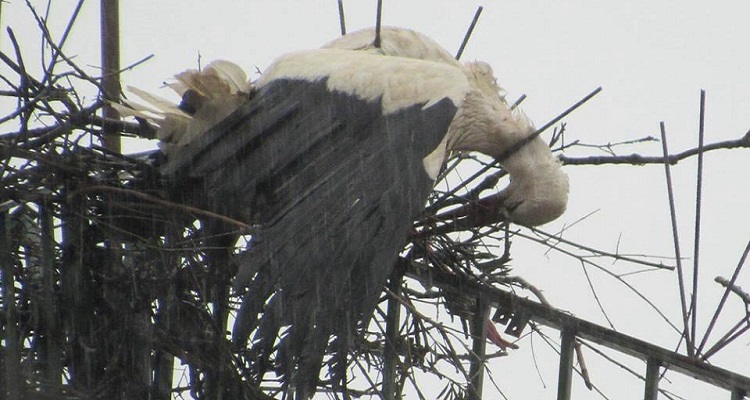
(656, 357)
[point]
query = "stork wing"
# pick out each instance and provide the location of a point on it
(334, 185)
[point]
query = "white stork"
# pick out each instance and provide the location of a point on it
(332, 158)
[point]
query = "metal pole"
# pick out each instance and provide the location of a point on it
(468, 33)
(565, 379)
(11, 355)
(652, 379)
(479, 345)
(393, 319)
(110, 53)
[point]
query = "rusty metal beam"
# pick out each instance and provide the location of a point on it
(558, 319)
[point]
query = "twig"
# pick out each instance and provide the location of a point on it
(378, 21)
(734, 288)
(582, 363)
(166, 203)
(556, 348)
(596, 297)
(524, 284)
(63, 38)
(608, 272)
(697, 231)
(676, 240)
(518, 102)
(342, 19)
(469, 32)
(621, 365)
(724, 296)
(637, 159)
(615, 256)
(729, 337)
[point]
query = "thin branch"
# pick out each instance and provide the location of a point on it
(744, 296)
(697, 231)
(724, 297)
(162, 202)
(378, 21)
(610, 273)
(342, 18)
(582, 363)
(469, 31)
(728, 338)
(637, 159)
(689, 343)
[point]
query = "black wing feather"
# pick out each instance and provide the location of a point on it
(334, 186)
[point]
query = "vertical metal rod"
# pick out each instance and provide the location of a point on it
(378, 20)
(342, 19)
(479, 346)
(698, 200)
(652, 379)
(689, 344)
(110, 53)
(468, 32)
(53, 334)
(12, 352)
(393, 319)
(565, 379)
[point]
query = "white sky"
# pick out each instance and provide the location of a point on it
(651, 57)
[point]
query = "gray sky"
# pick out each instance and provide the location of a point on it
(651, 57)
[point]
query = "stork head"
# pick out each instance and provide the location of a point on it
(538, 189)
(537, 192)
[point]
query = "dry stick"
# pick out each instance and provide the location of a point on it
(724, 297)
(342, 20)
(582, 364)
(45, 31)
(729, 337)
(675, 238)
(556, 348)
(734, 288)
(166, 203)
(697, 232)
(378, 20)
(468, 32)
(592, 250)
(637, 159)
(518, 102)
(24, 103)
(621, 365)
(606, 271)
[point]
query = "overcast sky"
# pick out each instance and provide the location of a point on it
(651, 57)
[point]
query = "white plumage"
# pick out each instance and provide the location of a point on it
(396, 82)
(209, 95)
(408, 68)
